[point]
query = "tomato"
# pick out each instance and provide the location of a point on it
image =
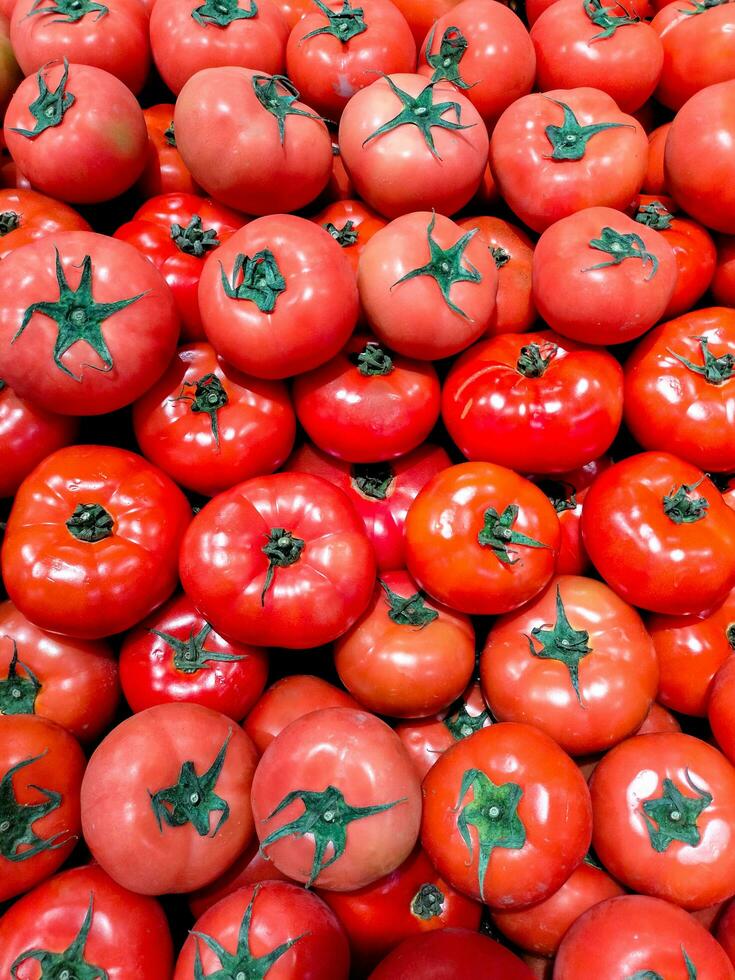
(633, 935)
(177, 232)
(278, 298)
(654, 512)
(273, 928)
(92, 541)
(10, 73)
(654, 181)
(411, 900)
(339, 186)
(483, 48)
(26, 216)
(298, 585)
(339, 48)
(41, 768)
(83, 923)
(164, 172)
(481, 539)
(566, 150)
(410, 145)
(192, 36)
(700, 157)
(368, 404)
(421, 14)
(720, 707)
(427, 289)
(448, 953)
(293, 10)
(71, 682)
(250, 868)
(725, 931)
(336, 800)
(680, 388)
(664, 810)
(406, 657)
(658, 720)
(77, 133)
(723, 283)
(533, 402)
(507, 816)
(112, 36)
(351, 224)
(264, 152)
(86, 324)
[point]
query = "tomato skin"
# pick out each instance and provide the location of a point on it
(164, 172)
(79, 686)
(447, 953)
(364, 223)
(720, 708)
(421, 14)
(293, 10)
(364, 760)
(723, 284)
(128, 934)
(10, 73)
(658, 721)
(255, 428)
(92, 589)
(654, 181)
(250, 868)
(35, 216)
(725, 932)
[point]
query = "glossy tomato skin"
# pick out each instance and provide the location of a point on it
(720, 708)
(533, 401)
(536, 794)
(686, 411)
(28, 215)
(324, 584)
(723, 283)
(421, 14)
(348, 759)
(128, 933)
(636, 787)
(648, 558)
(247, 428)
(658, 720)
(93, 588)
(448, 953)
(451, 516)
(654, 181)
(41, 768)
(164, 172)
(725, 931)
(352, 224)
(99, 371)
(250, 868)
(311, 316)
(74, 682)
(541, 189)
(293, 10)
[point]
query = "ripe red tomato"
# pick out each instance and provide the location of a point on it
(507, 816)
(41, 768)
(568, 149)
(92, 541)
(293, 10)
(279, 297)
(250, 868)
(297, 585)
(723, 284)
(654, 181)
(421, 14)
(77, 133)
(351, 224)
(71, 682)
(336, 800)
(720, 706)
(448, 953)
(658, 720)
(664, 810)
(26, 216)
(164, 172)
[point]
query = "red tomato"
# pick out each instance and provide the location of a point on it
(298, 585)
(72, 682)
(41, 768)
(680, 388)
(279, 297)
(406, 657)
(336, 800)
(26, 216)
(77, 133)
(507, 816)
(566, 150)
(723, 284)
(83, 922)
(654, 181)
(421, 14)
(410, 145)
(209, 426)
(10, 73)
(720, 706)
(294, 10)
(407, 312)
(164, 172)
(664, 812)
(725, 931)
(92, 541)
(351, 224)
(250, 868)
(339, 186)
(449, 953)
(367, 404)
(658, 720)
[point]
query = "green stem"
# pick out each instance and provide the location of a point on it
(281, 549)
(532, 363)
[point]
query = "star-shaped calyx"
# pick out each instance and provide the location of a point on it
(673, 816)
(257, 279)
(190, 655)
(605, 18)
(653, 975)
(619, 247)
(49, 107)
(192, 798)
(345, 236)
(683, 508)
(497, 534)
(372, 361)
(209, 397)
(569, 141)
(221, 13)
(714, 370)
(408, 610)
(194, 239)
(277, 94)
(69, 11)
(461, 724)
(17, 693)
(561, 642)
(17, 819)
(69, 964)
(535, 358)
(428, 902)
(654, 215)
(446, 61)
(373, 480)
(343, 24)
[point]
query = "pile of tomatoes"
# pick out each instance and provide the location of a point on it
(367, 490)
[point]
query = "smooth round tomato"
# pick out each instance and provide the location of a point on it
(351, 224)
(507, 816)
(250, 868)
(279, 297)
(654, 512)
(654, 182)
(294, 10)
(723, 283)
(448, 953)
(164, 172)
(336, 800)
(421, 14)
(658, 720)
(209, 426)
(41, 768)
(92, 541)
(720, 707)
(26, 216)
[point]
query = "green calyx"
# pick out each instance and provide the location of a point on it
(562, 495)
(194, 239)
(569, 141)
(221, 13)
(701, 7)
(673, 816)
(714, 370)
(373, 479)
(190, 655)
(428, 902)
(18, 841)
(653, 975)
(345, 236)
(192, 798)
(620, 247)
(461, 724)
(68, 965)
(277, 94)
(77, 317)
(325, 818)
(446, 61)
(681, 508)
(445, 266)
(423, 113)
(497, 534)
(170, 135)
(532, 363)
(343, 24)
(281, 549)
(654, 215)
(493, 814)
(69, 11)
(242, 964)
(408, 610)
(48, 108)
(257, 279)
(372, 361)
(730, 634)
(209, 397)
(3, 386)
(501, 257)
(561, 642)
(9, 221)
(90, 523)
(604, 18)
(18, 694)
